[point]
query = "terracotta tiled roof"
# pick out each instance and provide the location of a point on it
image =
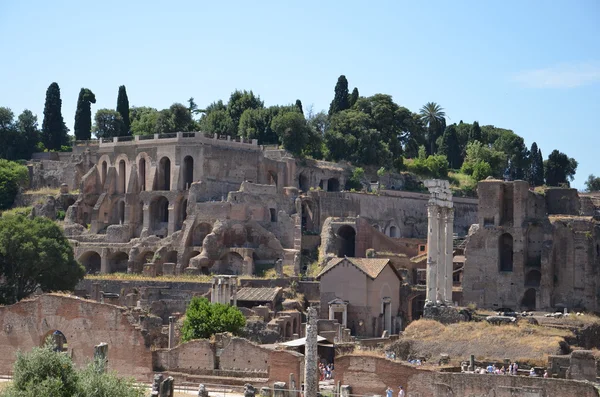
(370, 266)
(257, 294)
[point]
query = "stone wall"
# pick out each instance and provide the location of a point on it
(372, 375)
(84, 323)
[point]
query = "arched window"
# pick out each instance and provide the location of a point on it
(163, 181)
(505, 248)
(346, 241)
(122, 179)
(142, 174)
(104, 172)
(393, 231)
(188, 172)
(121, 211)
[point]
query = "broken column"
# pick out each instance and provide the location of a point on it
(224, 290)
(171, 332)
(311, 380)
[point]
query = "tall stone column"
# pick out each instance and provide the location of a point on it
(311, 380)
(449, 254)
(432, 250)
(441, 263)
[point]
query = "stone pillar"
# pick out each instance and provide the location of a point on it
(96, 292)
(311, 380)
(472, 362)
(449, 254)
(432, 249)
(331, 312)
(441, 257)
(171, 332)
(172, 223)
(104, 263)
(345, 317)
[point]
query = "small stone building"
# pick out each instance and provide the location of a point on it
(362, 294)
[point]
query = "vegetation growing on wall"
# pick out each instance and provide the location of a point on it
(204, 319)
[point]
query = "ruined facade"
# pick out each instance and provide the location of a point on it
(533, 251)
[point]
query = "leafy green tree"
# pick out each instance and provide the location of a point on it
(29, 135)
(83, 115)
(34, 253)
(435, 166)
(475, 132)
(204, 319)
(535, 174)
(182, 118)
(164, 122)
(218, 122)
(517, 155)
(108, 123)
(559, 169)
(340, 100)
(353, 97)
(450, 147)
(9, 135)
(43, 372)
(123, 109)
(239, 101)
(592, 184)
(143, 120)
(355, 181)
(12, 176)
(481, 170)
(256, 124)
(433, 116)
(54, 130)
(478, 152)
(292, 130)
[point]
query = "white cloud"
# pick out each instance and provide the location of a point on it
(564, 75)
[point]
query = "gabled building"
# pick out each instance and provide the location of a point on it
(363, 294)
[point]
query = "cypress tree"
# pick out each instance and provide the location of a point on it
(340, 100)
(54, 130)
(123, 109)
(299, 106)
(353, 97)
(83, 115)
(475, 133)
(539, 179)
(450, 147)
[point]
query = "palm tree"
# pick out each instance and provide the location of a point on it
(433, 116)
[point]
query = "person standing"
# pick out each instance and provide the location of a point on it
(389, 392)
(401, 392)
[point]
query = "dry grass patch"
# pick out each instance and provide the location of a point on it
(140, 277)
(523, 342)
(44, 190)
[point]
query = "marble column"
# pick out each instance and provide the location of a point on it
(449, 254)
(432, 241)
(311, 370)
(441, 258)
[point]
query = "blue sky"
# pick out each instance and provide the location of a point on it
(530, 66)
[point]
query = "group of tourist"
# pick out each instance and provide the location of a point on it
(512, 369)
(325, 371)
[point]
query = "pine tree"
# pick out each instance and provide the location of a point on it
(123, 109)
(299, 106)
(353, 97)
(475, 133)
(54, 130)
(83, 115)
(340, 100)
(450, 147)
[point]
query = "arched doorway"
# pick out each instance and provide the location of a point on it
(188, 172)
(417, 305)
(303, 183)
(159, 213)
(346, 241)
(295, 329)
(142, 174)
(57, 338)
(91, 261)
(104, 172)
(232, 263)
(528, 301)
(505, 248)
(163, 177)
(533, 279)
(200, 232)
(118, 262)
(393, 231)
(333, 185)
(122, 179)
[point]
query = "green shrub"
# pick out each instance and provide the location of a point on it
(23, 211)
(481, 170)
(204, 319)
(60, 214)
(12, 176)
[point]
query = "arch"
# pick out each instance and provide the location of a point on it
(142, 173)
(122, 211)
(529, 299)
(188, 172)
(122, 179)
(346, 241)
(272, 178)
(333, 185)
(118, 262)
(288, 329)
(92, 262)
(533, 278)
(159, 213)
(505, 252)
(535, 240)
(145, 257)
(394, 231)
(200, 232)
(303, 183)
(58, 338)
(171, 257)
(163, 176)
(232, 263)
(376, 227)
